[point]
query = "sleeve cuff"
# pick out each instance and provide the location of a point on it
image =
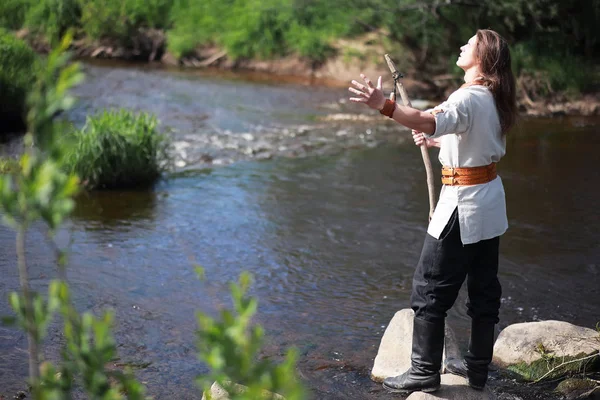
(438, 122)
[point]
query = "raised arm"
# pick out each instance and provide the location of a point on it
(374, 98)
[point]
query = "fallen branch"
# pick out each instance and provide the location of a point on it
(563, 364)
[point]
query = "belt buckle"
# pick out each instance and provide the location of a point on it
(450, 170)
(452, 180)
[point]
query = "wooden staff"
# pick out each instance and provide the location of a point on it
(424, 153)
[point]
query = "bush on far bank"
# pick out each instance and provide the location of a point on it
(119, 149)
(551, 53)
(13, 12)
(18, 67)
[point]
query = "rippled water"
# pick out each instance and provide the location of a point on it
(331, 235)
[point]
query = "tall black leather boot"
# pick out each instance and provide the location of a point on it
(475, 365)
(426, 360)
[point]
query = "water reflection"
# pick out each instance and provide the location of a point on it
(116, 210)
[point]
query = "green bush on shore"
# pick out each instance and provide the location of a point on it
(257, 28)
(120, 20)
(13, 12)
(561, 36)
(119, 149)
(52, 18)
(97, 19)
(546, 74)
(18, 67)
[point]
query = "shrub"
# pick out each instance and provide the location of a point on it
(53, 18)
(113, 19)
(231, 345)
(119, 149)
(120, 20)
(244, 28)
(18, 66)
(12, 13)
(255, 28)
(547, 73)
(149, 13)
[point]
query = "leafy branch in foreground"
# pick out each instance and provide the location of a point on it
(230, 346)
(39, 190)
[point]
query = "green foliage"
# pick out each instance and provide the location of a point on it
(120, 20)
(113, 19)
(257, 28)
(18, 65)
(43, 190)
(561, 36)
(90, 346)
(245, 28)
(149, 13)
(12, 13)
(119, 149)
(39, 189)
(549, 74)
(42, 313)
(552, 367)
(89, 349)
(52, 17)
(230, 346)
(101, 18)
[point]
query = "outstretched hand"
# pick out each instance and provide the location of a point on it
(369, 94)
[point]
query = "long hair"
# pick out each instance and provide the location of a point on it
(493, 56)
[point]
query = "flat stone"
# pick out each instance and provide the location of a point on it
(454, 388)
(517, 343)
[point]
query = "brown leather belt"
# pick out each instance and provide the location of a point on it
(468, 176)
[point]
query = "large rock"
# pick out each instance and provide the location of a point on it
(519, 343)
(534, 349)
(453, 388)
(393, 357)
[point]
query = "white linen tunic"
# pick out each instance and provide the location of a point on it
(469, 128)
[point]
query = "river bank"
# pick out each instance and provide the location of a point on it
(351, 57)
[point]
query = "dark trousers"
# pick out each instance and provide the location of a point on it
(442, 269)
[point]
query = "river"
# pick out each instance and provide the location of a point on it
(328, 214)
